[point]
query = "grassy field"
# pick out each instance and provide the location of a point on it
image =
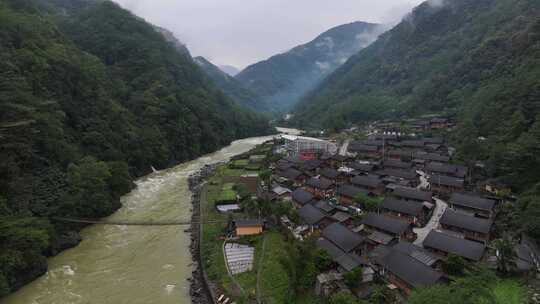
(510, 292)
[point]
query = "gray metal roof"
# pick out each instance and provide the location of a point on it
(468, 222)
(447, 243)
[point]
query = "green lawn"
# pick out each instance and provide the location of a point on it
(239, 164)
(510, 292)
(274, 278)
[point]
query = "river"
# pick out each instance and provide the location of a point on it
(131, 264)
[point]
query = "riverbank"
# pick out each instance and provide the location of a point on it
(201, 290)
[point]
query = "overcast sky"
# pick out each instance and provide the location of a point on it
(242, 32)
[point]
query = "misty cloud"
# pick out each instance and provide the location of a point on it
(240, 32)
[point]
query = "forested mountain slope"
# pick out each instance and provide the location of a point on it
(282, 79)
(91, 97)
(231, 87)
(441, 57)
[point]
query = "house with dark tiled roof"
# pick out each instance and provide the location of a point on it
(347, 193)
(343, 218)
(413, 212)
(446, 169)
(406, 272)
(302, 197)
(392, 175)
(419, 253)
(396, 164)
(343, 238)
(443, 244)
(325, 207)
(294, 176)
(370, 183)
(320, 187)
(431, 157)
(363, 149)
(315, 218)
(362, 167)
(332, 174)
(311, 167)
(337, 160)
(474, 204)
(444, 184)
(398, 228)
(397, 154)
(413, 194)
(473, 228)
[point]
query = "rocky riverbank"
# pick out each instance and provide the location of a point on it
(200, 289)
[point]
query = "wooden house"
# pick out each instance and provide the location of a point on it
(413, 212)
(471, 203)
(370, 183)
(472, 228)
(398, 228)
(443, 244)
(320, 187)
(347, 193)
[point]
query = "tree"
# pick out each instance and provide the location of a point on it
(354, 277)
(4, 209)
(506, 255)
(369, 203)
(265, 176)
(454, 265)
(344, 297)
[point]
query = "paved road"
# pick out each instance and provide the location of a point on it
(343, 149)
(424, 183)
(433, 222)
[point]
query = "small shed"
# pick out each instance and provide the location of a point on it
(248, 227)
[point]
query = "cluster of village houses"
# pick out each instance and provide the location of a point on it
(427, 212)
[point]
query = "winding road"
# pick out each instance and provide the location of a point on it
(433, 223)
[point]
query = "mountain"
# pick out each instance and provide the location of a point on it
(90, 98)
(229, 69)
(283, 79)
(169, 36)
(478, 60)
(230, 86)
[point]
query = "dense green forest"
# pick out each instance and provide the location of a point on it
(281, 80)
(478, 60)
(90, 98)
(232, 87)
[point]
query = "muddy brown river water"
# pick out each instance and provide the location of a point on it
(131, 264)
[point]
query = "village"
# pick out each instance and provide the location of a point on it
(386, 204)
